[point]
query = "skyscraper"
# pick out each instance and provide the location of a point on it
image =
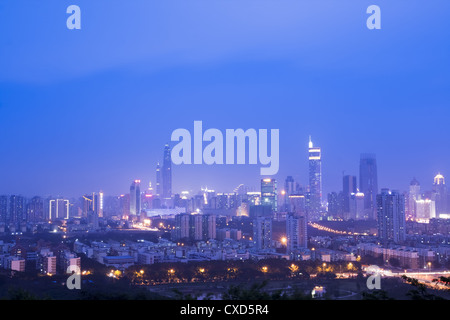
(16, 209)
(413, 196)
(167, 174)
(3, 208)
(368, 183)
(35, 209)
(269, 195)
(348, 188)
(440, 194)
(315, 181)
(135, 198)
(58, 209)
(391, 216)
(158, 181)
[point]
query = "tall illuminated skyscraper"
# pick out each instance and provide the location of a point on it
(315, 180)
(368, 183)
(135, 198)
(167, 174)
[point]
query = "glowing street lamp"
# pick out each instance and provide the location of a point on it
(294, 268)
(265, 269)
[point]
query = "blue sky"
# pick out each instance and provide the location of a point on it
(91, 109)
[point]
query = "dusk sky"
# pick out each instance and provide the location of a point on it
(91, 109)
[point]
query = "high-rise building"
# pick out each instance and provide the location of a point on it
(35, 209)
(368, 183)
(262, 233)
(196, 227)
(158, 181)
(16, 209)
(296, 233)
(182, 226)
(3, 209)
(391, 216)
(269, 195)
(58, 209)
(413, 196)
(209, 226)
(348, 188)
(357, 210)
(440, 194)
(167, 174)
(124, 204)
(333, 205)
(289, 186)
(315, 181)
(135, 198)
(425, 209)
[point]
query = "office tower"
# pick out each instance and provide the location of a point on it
(209, 226)
(315, 181)
(158, 181)
(425, 209)
(167, 174)
(296, 233)
(3, 209)
(413, 196)
(135, 198)
(391, 216)
(35, 209)
(58, 209)
(16, 209)
(262, 233)
(269, 195)
(440, 194)
(368, 183)
(348, 188)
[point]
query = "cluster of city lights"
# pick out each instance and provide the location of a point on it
(327, 229)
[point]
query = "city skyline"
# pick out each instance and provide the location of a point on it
(404, 185)
(71, 118)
